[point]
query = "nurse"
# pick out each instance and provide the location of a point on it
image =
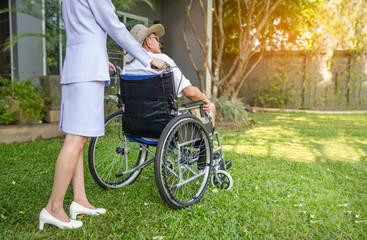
(86, 68)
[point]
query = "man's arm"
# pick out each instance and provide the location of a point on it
(194, 94)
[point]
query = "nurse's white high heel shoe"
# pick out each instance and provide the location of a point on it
(76, 209)
(45, 217)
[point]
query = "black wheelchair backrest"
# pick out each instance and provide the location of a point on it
(148, 104)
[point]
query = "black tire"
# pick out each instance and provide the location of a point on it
(182, 143)
(106, 155)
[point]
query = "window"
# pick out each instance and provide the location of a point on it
(55, 31)
(130, 20)
(115, 52)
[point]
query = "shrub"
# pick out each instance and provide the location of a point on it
(230, 110)
(110, 100)
(8, 115)
(31, 100)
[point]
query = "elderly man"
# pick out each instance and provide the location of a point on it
(149, 38)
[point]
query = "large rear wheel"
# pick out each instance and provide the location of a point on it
(108, 155)
(183, 162)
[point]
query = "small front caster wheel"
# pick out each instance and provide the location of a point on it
(223, 181)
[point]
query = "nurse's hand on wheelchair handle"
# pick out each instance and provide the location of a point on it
(116, 70)
(112, 69)
(158, 64)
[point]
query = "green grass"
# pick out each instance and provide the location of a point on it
(296, 176)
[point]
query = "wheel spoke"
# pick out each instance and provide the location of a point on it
(106, 155)
(185, 142)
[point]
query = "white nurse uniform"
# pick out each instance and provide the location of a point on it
(85, 69)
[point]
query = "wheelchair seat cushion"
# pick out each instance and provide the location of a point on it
(147, 141)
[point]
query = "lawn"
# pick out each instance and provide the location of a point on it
(296, 176)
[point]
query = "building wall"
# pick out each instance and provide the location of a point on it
(171, 14)
(173, 19)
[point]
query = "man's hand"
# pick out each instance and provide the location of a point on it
(112, 68)
(208, 106)
(159, 64)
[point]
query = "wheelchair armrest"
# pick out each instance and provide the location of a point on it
(192, 104)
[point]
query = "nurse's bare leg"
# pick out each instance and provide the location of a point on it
(78, 183)
(64, 171)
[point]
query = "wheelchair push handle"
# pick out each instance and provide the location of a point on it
(118, 70)
(113, 74)
(168, 66)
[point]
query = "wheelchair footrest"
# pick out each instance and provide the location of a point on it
(228, 164)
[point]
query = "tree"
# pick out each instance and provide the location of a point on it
(348, 26)
(204, 46)
(241, 30)
(245, 28)
(338, 25)
(251, 18)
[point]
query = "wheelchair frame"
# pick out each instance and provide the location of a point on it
(183, 161)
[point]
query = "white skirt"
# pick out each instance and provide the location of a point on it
(82, 108)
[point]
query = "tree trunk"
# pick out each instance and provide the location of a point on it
(229, 81)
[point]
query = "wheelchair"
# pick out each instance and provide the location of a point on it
(185, 159)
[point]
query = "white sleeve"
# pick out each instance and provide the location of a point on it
(104, 14)
(180, 80)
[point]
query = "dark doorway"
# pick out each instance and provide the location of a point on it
(4, 35)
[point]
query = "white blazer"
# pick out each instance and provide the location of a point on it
(87, 24)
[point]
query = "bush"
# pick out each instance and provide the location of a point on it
(110, 100)
(230, 110)
(31, 100)
(8, 115)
